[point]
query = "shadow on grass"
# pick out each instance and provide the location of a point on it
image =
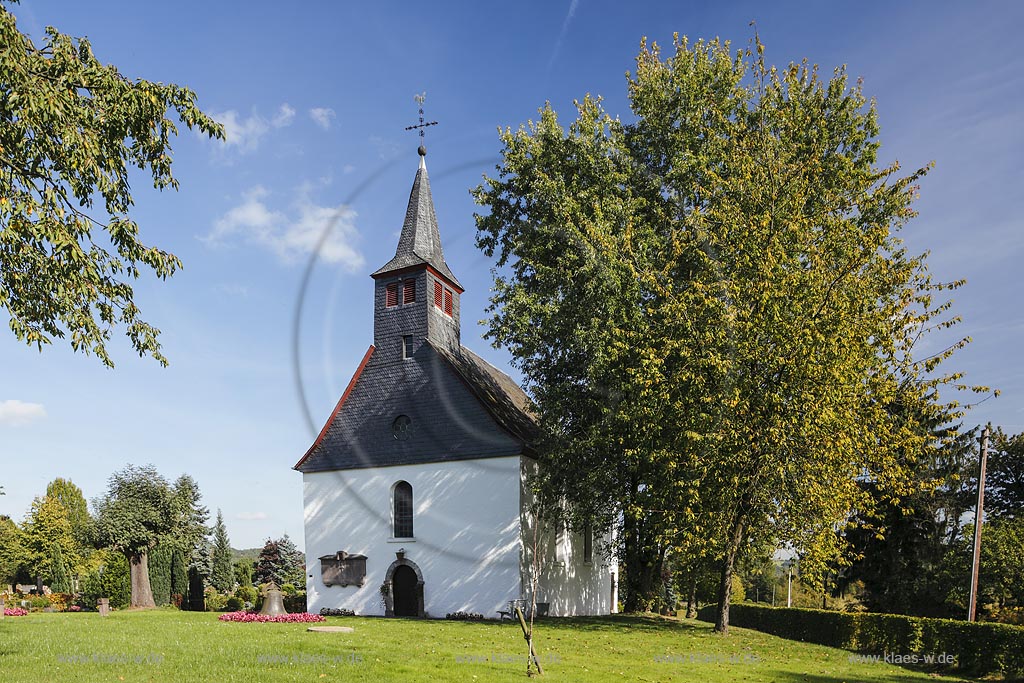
(619, 622)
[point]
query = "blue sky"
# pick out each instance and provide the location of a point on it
(315, 98)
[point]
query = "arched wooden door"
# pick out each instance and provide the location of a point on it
(404, 582)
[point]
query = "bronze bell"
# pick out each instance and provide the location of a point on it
(273, 601)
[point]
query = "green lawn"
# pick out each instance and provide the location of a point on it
(164, 645)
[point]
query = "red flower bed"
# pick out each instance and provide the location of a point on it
(249, 617)
(15, 612)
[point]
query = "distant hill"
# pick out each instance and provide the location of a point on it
(246, 554)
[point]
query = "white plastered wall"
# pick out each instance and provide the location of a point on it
(466, 533)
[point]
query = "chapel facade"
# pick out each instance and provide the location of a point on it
(415, 496)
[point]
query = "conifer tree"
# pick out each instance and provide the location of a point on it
(222, 577)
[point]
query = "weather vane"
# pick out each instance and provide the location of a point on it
(422, 125)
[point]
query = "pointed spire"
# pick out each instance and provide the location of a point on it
(420, 243)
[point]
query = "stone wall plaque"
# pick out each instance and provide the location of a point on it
(343, 569)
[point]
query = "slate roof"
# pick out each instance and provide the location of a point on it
(503, 398)
(420, 242)
(460, 408)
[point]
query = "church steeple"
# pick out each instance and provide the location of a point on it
(416, 297)
(420, 243)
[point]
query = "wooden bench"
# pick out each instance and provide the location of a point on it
(510, 611)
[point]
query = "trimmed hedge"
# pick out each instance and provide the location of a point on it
(980, 649)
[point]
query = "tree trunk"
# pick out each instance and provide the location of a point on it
(691, 598)
(725, 587)
(142, 594)
(642, 573)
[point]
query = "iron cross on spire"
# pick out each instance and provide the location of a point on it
(422, 125)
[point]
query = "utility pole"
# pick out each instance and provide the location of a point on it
(979, 511)
(789, 590)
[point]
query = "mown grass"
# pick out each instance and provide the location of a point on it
(165, 645)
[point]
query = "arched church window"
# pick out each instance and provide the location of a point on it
(403, 510)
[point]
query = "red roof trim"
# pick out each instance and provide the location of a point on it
(337, 408)
(430, 269)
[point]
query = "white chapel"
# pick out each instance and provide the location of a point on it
(414, 491)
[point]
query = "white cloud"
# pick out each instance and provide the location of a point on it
(284, 117)
(330, 231)
(15, 413)
(246, 133)
(252, 516)
(322, 116)
(561, 34)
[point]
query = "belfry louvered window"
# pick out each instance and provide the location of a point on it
(447, 302)
(438, 294)
(391, 295)
(408, 291)
(403, 510)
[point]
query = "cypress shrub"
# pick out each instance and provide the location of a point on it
(60, 578)
(179, 576)
(160, 575)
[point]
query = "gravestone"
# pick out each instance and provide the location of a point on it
(103, 604)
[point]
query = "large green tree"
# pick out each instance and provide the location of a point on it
(712, 310)
(132, 517)
(12, 550)
(1004, 480)
(190, 539)
(66, 493)
(71, 128)
(281, 562)
(48, 533)
(896, 550)
(222, 577)
(190, 531)
(1001, 570)
(243, 570)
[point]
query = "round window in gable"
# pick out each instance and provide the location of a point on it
(402, 427)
